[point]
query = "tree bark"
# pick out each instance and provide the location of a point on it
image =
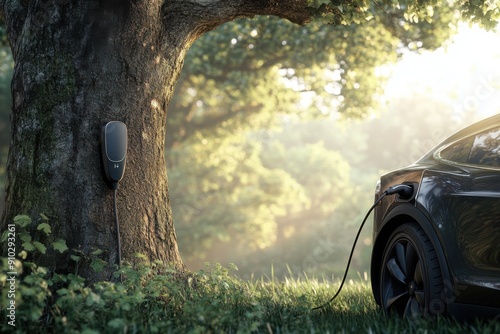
(80, 63)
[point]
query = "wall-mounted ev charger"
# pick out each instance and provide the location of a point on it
(114, 150)
(114, 155)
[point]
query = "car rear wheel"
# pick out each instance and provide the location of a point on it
(411, 283)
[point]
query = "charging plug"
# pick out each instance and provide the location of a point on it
(405, 191)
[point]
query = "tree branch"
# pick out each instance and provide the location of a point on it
(206, 15)
(215, 12)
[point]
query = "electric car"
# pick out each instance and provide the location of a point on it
(437, 245)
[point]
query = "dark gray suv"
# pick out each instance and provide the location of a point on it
(437, 250)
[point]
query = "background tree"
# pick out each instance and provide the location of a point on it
(248, 75)
(81, 63)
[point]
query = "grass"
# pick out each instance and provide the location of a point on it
(209, 301)
(354, 311)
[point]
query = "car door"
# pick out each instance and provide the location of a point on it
(462, 195)
(478, 226)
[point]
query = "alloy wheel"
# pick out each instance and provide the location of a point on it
(411, 281)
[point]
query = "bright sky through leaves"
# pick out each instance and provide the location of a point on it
(463, 74)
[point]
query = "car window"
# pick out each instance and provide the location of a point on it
(486, 149)
(458, 152)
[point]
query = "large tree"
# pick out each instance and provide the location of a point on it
(79, 63)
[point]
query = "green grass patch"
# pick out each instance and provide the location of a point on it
(153, 298)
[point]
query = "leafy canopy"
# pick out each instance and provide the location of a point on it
(247, 71)
(484, 12)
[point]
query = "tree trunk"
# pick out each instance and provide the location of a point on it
(80, 63)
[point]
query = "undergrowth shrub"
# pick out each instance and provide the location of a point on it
(147, 297)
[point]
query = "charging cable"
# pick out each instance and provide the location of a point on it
(117, 225)
(405, 191)
(117, 228)
(114, 155)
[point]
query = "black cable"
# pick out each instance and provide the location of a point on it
(117, 227)
(405, 191)
(350, 256)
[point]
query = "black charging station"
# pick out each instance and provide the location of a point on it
(114, 155)
(114, 150)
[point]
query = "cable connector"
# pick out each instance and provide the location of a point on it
(405, 191)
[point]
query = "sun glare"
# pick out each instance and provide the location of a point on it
(463, 74)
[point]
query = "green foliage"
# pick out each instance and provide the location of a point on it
(485, 12)
(205, 174)
(154, 298)
(60, 245)
(31, 241)
(322, 173)
(245, 73)
(98, 265)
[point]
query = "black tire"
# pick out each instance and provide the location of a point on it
(411, 283)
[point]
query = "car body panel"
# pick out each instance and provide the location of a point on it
(467, 224)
